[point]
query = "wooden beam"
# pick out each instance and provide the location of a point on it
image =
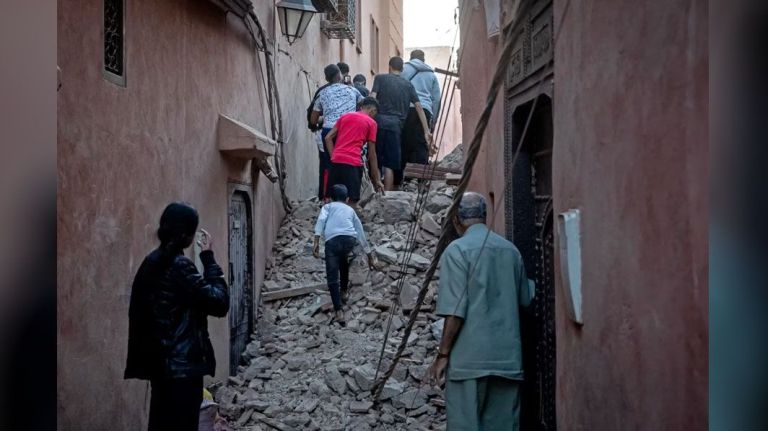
(291, 292)
(452, 179)
(432, 168)
(430, 172)
(446, 72)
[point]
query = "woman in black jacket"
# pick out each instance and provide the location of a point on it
(168, 340)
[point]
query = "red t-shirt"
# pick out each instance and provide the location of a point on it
(354, 130)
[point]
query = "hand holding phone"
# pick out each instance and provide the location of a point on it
(205, 240)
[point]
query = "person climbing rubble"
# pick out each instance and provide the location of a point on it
(351, 132)
(330, 102)
(299, 372)
(339, 225)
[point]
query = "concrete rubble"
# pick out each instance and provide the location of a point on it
(304, 372)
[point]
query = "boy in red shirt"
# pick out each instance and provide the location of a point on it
(351, 132)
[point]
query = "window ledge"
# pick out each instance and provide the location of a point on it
(241, 141)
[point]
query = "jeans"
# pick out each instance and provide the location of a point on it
(175, 404)
(337, 250)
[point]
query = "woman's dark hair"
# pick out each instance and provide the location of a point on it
(177, 224)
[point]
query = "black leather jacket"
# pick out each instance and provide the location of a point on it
(168, 324)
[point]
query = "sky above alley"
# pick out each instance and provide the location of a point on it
(428, 22)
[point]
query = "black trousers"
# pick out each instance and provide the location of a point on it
(175, 404)
(337, 251)
(350, 176)
(324, 168)
(413, 145)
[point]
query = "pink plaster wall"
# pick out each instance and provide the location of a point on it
(124, 153)
(477, 62)
(630, 151)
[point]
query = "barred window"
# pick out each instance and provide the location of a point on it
(114, 45)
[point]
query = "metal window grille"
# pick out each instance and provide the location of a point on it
(114, 44)
(340, 24)
(326, 6)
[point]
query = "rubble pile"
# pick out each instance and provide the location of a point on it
(455, 159)
(304, 371)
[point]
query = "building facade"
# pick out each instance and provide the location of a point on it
(168, 101)
(595, 164)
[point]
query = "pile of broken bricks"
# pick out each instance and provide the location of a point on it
(304, 372)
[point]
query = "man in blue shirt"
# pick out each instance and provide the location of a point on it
(414, 147)
(482, 286)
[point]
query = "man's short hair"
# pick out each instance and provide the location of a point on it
(417, 54)
(396, 63)
(369, 101)
(339, 193)
(343, 67)
(359, 79)
(472, 207)
(331, 72)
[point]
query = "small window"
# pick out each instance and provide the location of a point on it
(374, 47)
(358, 41)
(114, 43)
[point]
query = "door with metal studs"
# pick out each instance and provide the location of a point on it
(529, 224)
(240, 277)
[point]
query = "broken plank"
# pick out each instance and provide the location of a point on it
(452, 179)
(291, 292)
(432, 167)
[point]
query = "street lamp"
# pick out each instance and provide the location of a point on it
(295, 16)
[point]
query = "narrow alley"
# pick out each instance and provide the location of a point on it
(530, 175)
(303, 371)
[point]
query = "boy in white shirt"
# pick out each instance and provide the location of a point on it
(339, 225)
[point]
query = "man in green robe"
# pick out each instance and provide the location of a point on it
(483, 284)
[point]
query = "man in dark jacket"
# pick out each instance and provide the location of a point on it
(168, 341)
(394, 94)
